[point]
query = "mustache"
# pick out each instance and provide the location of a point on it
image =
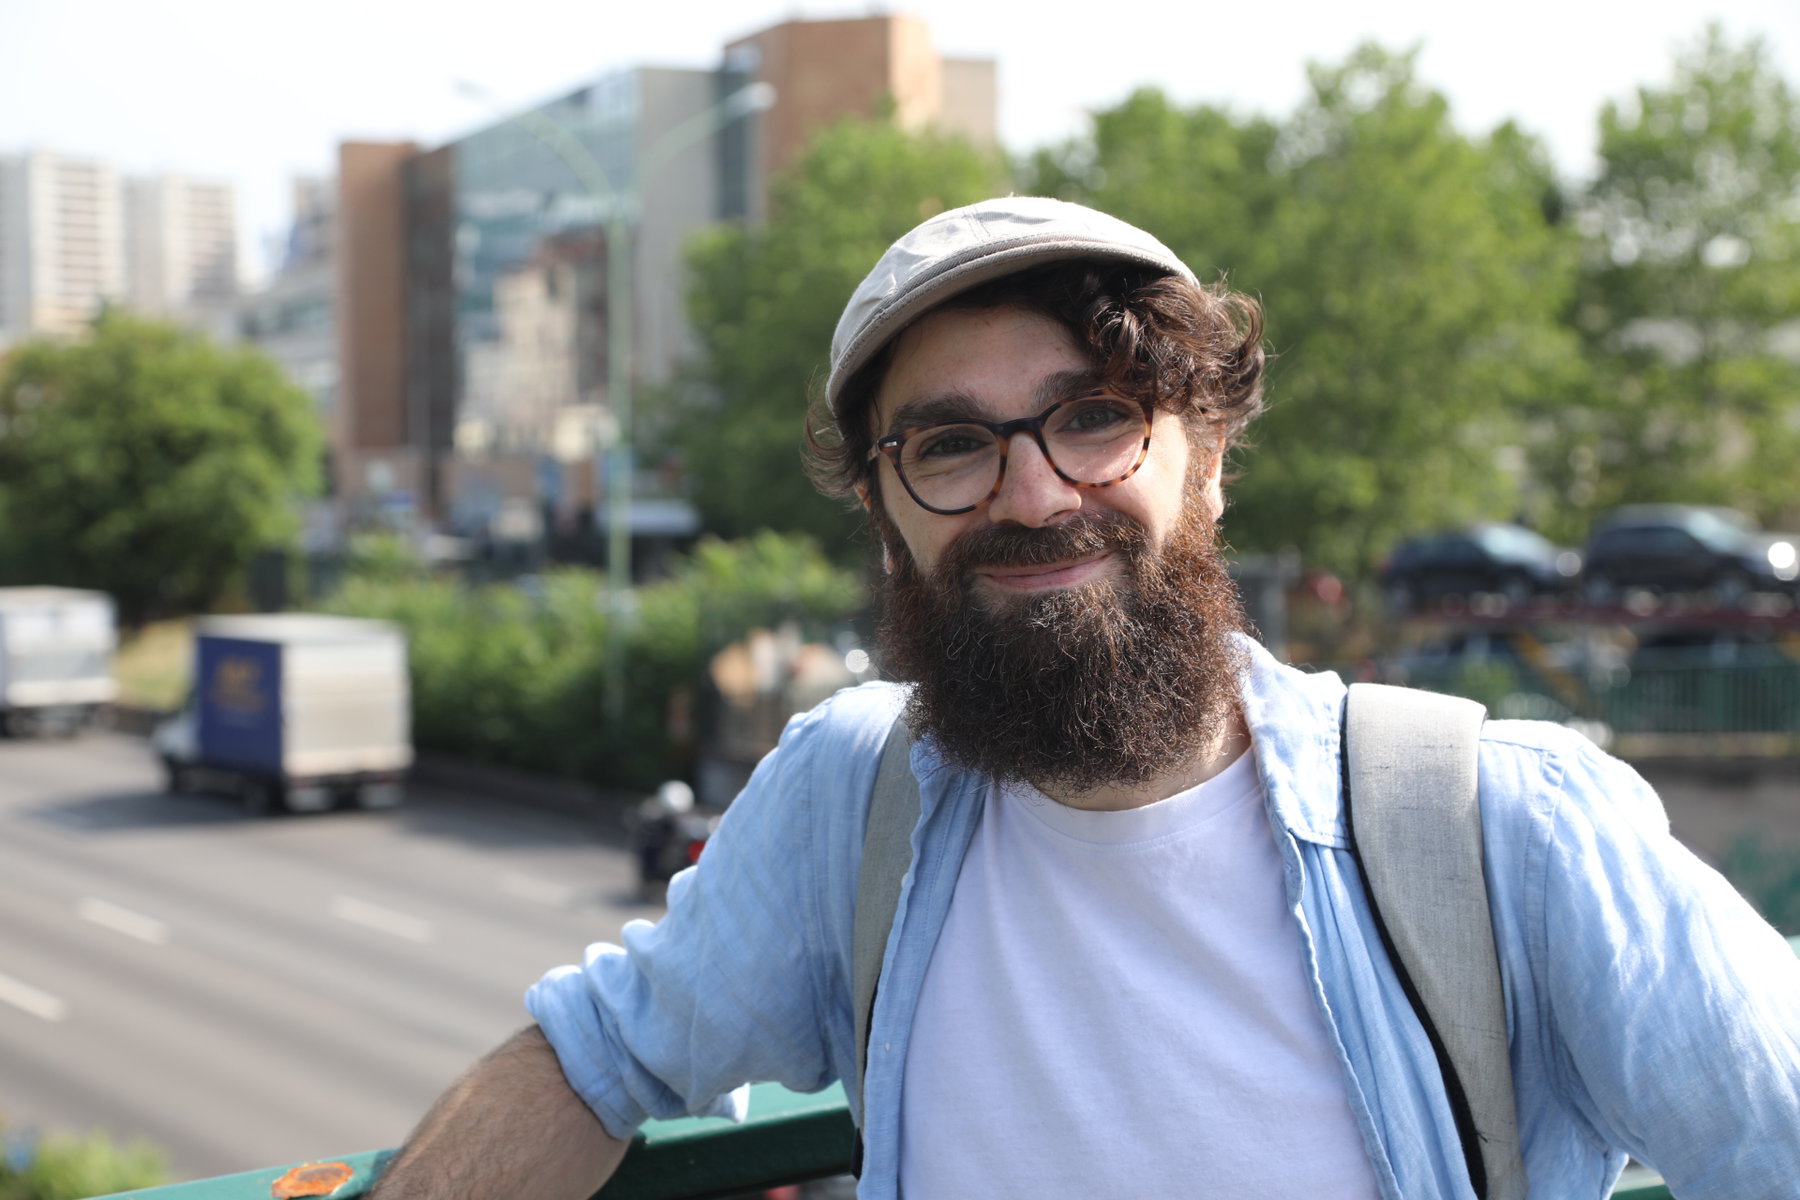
(1082, 536)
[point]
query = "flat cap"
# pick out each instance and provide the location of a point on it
(954, 251)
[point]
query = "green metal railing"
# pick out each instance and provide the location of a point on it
(1672, 706)
(788, 1138)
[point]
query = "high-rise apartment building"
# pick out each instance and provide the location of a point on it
(75, 236)
(61, 243)
(180, 245)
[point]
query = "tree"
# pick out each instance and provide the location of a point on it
(146, 461)
(1412, 279)
(1202, 179)
(763, 303)
(1416, 294)
(1692, 265)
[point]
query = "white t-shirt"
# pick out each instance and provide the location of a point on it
(1118, 1006)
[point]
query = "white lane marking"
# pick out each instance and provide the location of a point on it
(39, 1004)
(122, 920)
(375, 916)
(556, 895)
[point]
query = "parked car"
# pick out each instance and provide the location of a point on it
(1491, 557)
(1687, 549)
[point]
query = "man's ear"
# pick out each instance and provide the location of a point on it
(866, 495)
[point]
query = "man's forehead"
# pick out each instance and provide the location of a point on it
(957, 360)
(921, 406)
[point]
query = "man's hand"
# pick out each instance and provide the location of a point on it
(512, 1127)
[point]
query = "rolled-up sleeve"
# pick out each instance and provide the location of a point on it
(730, 986)
(1676, 1006)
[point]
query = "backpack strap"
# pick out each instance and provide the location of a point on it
(887, 856)
(1410, 762)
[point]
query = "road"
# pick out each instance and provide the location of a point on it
(252, 992)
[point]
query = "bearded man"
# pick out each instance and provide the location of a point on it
(1133, 955)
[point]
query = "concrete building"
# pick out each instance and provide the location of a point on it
(74, 236)
(180, 245)
(515, 218)
(61, 243)
(293, 319)
(473, 310)
(825, 71)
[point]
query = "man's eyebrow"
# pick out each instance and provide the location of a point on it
(939, 406)
(956, 405)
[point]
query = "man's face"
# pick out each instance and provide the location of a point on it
(1078, 638)
(998, 364)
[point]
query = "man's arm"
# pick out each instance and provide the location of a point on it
(511, 1126)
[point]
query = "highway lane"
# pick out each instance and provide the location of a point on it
(248, 992)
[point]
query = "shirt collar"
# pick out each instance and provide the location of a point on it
(1294, 728)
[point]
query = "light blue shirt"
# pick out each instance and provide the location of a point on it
(1651, 1012)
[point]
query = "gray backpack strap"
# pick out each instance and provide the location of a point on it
(887, 854)
(1410, 762)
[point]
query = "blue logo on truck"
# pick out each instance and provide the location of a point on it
(240, 703)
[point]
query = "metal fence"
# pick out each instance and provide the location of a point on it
(1670, 705)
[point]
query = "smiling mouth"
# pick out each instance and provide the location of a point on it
(1043, 577)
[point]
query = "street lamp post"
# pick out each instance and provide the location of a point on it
(621, 211)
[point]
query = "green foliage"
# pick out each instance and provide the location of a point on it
(384, 556)
(71, 1167)
(764, 301)
(1453, 333)
(1413, 284)
(517, 678)
(1693, 260)
(147, 462)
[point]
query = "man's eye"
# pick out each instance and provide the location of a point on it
(1097, 415)
(951, 443)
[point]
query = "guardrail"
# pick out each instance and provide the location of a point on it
(787, 1139)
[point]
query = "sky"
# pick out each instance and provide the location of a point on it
(258, 92)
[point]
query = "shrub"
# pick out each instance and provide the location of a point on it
(69, 1167)
(520, 678)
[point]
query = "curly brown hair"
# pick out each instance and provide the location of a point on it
(1194, 350)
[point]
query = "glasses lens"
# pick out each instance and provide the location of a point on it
(951, 466)
(1096, 439)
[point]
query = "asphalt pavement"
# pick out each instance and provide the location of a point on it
(246, 992)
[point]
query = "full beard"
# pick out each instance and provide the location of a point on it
(1110, 682)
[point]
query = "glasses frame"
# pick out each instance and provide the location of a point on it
(1004, 432)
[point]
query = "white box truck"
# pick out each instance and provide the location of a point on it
(56, 650)
(293, 711)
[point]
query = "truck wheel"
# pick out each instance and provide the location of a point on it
(380, 795)
(263, 798)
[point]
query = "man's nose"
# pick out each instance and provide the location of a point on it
(1031, 492)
